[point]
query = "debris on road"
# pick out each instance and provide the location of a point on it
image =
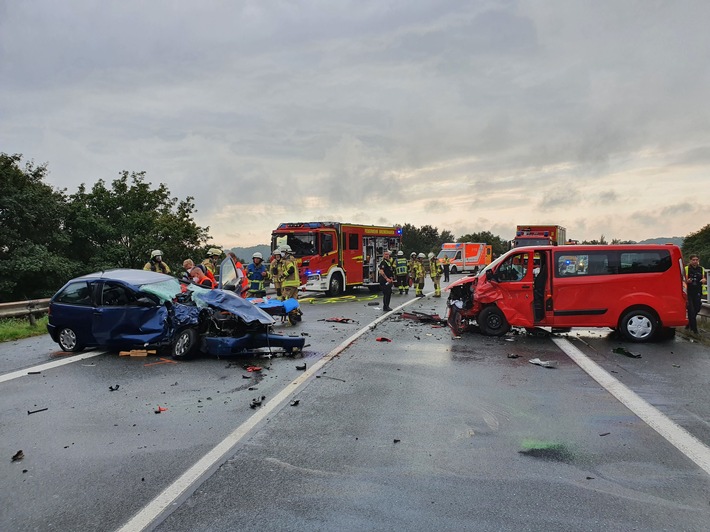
(253, 368)
(676, 365)
(302, 367)
(34, 372)
(256, 401)
(160, 409)
(383, 339)
(19, 455)
(138, 353)
(339, 320)
(422, 316)
(544, 363)
(513, 355)
(625, 352)
(396, 440)
(605, 433)
(35, 411)
(113, 388)
(295, 402)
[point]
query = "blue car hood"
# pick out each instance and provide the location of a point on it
(231, 302)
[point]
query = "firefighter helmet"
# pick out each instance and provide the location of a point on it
(400, 253)
(431, 255)
(286, 249)
(257, 255)
(421, 256)
(414, 254)
(214, 251)
(277, 251)
(156, 253)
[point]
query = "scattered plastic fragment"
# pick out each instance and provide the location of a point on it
(113, 388)
(513, 355)
(421, 316)
(160, 409)
(605, 433)
(396, 440)
(253, 368)
(19, 455)
(383, 339)
(34, 372)
(246, 376)
(302, 367)
(544, 363)
(256, 401)
(625, 352)
(676, 365)
(339, 320)
(295, 402)
(35, 411)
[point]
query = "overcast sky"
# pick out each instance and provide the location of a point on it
(464, 115)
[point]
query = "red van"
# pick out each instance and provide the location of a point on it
(637, 289)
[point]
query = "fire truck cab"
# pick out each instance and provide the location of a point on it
(333, 256)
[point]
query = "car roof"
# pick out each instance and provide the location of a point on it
(134, 277)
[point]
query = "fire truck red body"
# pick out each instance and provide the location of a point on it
(333, 256)
(539, 235)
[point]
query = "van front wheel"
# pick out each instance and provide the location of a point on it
(492, 322)
(638, 325)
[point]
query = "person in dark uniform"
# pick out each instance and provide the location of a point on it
(386, 279)
(695, 277)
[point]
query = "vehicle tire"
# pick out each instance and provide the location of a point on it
(454, 270)
(185, 344)
(492, 321)
(638, 325)
(335, 287)
(456, 321)
(68, 341)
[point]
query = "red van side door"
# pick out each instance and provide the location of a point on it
(514, 279)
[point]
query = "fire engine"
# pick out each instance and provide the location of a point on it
(333, 256)
(539, 235)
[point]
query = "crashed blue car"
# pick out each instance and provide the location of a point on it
(126, 309)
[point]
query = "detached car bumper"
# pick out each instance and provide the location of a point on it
(222, 345)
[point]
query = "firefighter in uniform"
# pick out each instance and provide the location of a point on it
(419, 274)
(696, 281)
(401, 269)
(275, 271)
(447, 268)
(410, 266)
(290, 281)
(256, 273)
(435, 271)
(156, 264)
(212, 261)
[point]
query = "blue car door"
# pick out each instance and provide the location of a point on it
(73, 308)
(119, 320)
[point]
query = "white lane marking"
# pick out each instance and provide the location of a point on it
(685, 442)
(209, 462)
(50, 365)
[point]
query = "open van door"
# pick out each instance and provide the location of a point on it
(515, 286)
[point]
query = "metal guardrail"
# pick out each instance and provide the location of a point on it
(19, 309)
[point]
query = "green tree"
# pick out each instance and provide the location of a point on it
(117, 227)
(498, 245)
(699, 244)
(32, 240)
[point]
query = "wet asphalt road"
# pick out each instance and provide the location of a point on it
(426, 432)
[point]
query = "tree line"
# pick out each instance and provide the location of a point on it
(49, 236)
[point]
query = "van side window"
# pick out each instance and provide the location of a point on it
(589, 263)
(644, 261)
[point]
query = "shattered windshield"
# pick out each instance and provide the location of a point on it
(164, 290)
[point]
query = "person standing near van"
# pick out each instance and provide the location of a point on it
(386, 279)
(695, 278)
(447, 268)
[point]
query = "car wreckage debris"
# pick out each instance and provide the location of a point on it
(625, 352)
(35, 411)
(423, 317)
(256, 401)
(552, 364)
(295, 402)
(513, 355)
(301, 367)
(160, 409)
(19, 455)
(383, 339)
(113, 388)
(339, 320)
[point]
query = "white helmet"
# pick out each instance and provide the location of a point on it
(156, 253)
(257, 255)
(214, 251)
(400, 253)
(286, 249)
(431, 255)
(421, 256)
(277, 251)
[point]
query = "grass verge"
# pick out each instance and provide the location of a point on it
(17, 328)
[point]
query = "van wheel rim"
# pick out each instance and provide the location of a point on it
(639, 327)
